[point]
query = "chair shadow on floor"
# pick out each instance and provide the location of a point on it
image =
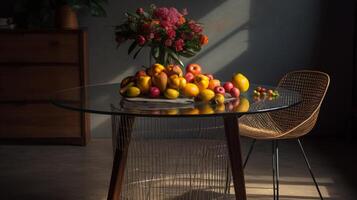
(203, 195)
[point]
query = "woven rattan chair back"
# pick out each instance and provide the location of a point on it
(297, 120)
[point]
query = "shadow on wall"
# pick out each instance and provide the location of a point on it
(262, 39)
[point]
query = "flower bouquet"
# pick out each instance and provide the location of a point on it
(167, 32)
(170, 35)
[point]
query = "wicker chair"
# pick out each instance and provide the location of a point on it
(291, 123)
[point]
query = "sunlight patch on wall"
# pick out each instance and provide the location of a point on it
(228, 36)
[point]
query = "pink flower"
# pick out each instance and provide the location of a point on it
(141, 40)
(168, 43)
(168, 17)
(161, 13)
(150, 36)
(166, 24)
(179, 45)
(140, 11)
(194, 27)
(171, 34)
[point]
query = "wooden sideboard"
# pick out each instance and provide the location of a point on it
(33, 65)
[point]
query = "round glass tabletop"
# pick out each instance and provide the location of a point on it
(105, 99)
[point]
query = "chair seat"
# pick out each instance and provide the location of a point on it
(264, 127)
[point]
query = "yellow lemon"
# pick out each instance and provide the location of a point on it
(206, 95)
(219, 98)
(171, 93)
(241, 82)
(133, 91)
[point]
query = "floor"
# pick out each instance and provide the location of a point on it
(76, 173)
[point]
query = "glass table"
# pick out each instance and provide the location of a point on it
(170, 150)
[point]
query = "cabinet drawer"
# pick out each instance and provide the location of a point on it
(35, 83)
(39, 47)
(38, 121)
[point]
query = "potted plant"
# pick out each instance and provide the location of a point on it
(65, 15)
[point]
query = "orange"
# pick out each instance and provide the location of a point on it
(190, 90)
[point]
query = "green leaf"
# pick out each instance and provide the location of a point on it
(175, 57)
(132, 14)
(156, 52)
(137, 52)
(187, 54)
(97, 9)
(165, 57)
(132, 47)
(146, 15)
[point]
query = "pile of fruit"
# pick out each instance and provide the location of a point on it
(171, 82)
(264, 93)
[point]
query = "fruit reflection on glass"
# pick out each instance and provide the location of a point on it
(243, 105)
(171, 82)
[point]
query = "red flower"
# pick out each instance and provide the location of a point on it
(171, 34)
(194, 27)
(187, 36)
(146, 28)
(141, 40)
(168, 43)
(140, 11)
(157, 37)
(179, 45)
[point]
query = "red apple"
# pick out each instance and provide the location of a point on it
(219, 90)
(228, 86)
(140, 73)
(195, 69)
(210, 76)
(235, 92)
(189, 77)
(154, 92)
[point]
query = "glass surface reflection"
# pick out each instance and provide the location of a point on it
(105, 99)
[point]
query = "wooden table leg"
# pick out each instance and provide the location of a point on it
(231, 127)
(123, 127)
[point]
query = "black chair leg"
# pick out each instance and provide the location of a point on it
(273, 168)
(277, 168)
(228, 180)
(309, 167)
(276, 172)
(249, 152)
